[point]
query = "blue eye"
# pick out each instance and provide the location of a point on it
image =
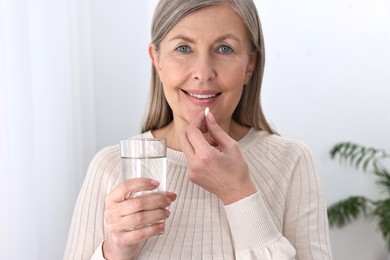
(224, 49)
(183, 48)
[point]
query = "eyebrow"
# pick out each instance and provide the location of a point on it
(220, 38)
(182, 37)
(228, 36)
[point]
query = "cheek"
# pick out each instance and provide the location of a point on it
(172, 72)
(233, 76)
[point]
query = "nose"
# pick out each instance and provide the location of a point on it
(203, 69)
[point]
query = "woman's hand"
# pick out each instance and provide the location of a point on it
(130, 220)
(217, 165)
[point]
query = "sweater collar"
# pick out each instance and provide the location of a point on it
(179, 158)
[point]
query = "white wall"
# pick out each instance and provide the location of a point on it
(120, 32)
(326, 81)
(46, 123)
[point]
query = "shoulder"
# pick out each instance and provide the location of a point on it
(278, 160)
(106, 162)
(275, 146)
(106, 156)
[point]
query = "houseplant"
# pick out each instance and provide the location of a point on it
(372, 161)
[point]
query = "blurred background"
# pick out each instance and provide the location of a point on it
(74, 77)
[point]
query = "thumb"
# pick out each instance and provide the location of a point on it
(216, 132)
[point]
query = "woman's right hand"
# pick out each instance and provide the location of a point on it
(131, 220)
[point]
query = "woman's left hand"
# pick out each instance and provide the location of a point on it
(217, 165)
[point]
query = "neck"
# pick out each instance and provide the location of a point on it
(172, 130)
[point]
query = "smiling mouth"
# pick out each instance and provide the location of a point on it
(202, 96)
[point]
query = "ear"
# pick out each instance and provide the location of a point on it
(250, 68)
(153, 54)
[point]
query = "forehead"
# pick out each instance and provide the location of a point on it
(211, 21)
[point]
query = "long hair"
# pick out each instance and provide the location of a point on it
(248, 111)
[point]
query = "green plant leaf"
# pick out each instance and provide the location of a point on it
(357, 155)
(369, 160)
(384, 177)
(343, 212)
(353, 154)
(359, 160)
(382, 211)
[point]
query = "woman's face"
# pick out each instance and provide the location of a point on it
(204, 61)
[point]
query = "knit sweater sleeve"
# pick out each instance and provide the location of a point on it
(86, 232)
(305, 218)
(302, 232)
(254, 234)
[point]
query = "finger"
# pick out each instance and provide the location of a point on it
(197, 140)
(195, 133)
(198, 121)
(133, 237)
(150, 201)
(141, 203)
(141, 234)
(171, 196)
(124, 190)
(216, 132)
(157, 201)
(141, 219)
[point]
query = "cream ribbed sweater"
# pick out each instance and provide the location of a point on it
(285, 219)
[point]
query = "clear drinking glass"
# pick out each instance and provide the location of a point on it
(145, 158)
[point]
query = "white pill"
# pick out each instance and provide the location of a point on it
(206, 111)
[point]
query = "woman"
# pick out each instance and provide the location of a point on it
(238, 191)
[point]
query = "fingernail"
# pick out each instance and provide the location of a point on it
(154, 183)
(168, 213)
(169, 200)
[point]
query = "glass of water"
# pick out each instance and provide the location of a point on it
(145, 158)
